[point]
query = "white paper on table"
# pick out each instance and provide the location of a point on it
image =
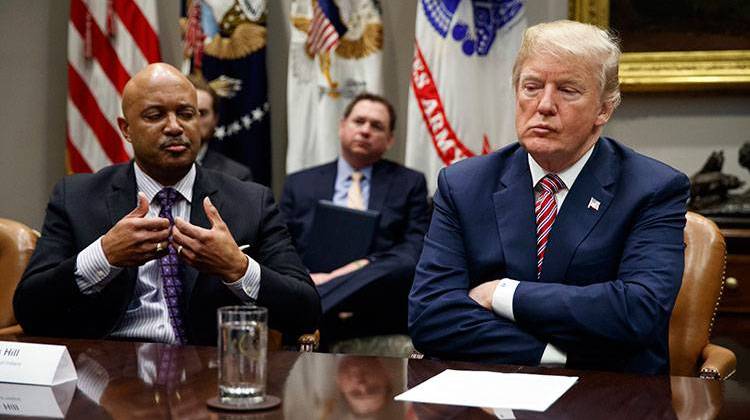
(515, 391)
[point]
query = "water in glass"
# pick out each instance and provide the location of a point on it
(242, 362)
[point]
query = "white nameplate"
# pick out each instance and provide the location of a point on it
(35, 364)
(36, 401)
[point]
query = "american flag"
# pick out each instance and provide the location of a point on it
(194, 36)
(325, 28)
(108, 42)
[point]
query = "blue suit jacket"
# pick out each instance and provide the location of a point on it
(398, 193)
(610, 276)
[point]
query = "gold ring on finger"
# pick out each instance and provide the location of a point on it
(179, 250)
(158, 247)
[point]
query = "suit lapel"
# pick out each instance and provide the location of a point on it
(379, 186)
(202, 188)
(122, 197)
(324, 183)
(514, 212)
(576, 218)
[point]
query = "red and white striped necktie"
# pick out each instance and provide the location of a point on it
(546, 211)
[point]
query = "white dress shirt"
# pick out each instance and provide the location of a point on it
(147, 315)
(502, 298)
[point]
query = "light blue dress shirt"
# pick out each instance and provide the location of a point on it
(344, 181)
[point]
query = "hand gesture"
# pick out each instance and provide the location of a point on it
(211, 251)
(135, 238)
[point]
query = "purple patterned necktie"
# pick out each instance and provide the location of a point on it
(170, 267)
(167, 368)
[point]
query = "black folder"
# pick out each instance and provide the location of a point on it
(339, 235)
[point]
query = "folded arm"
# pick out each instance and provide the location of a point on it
(627, 309)
(443, 320)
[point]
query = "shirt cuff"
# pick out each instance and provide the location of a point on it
(247, 287)
(93, 271)
(553, 356)
(502, 298)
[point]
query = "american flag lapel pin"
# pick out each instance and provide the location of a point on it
(594, 204)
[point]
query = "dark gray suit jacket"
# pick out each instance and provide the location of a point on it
(399, 194)
(83, 207)
(218, 162)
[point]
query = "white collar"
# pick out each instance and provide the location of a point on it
(345, 169)
(568, 176)
(151, 187)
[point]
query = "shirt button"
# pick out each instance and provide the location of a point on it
(100, 273)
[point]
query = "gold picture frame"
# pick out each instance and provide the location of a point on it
(670, 70)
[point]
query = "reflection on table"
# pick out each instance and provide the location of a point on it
(137, 380)
(360, 387)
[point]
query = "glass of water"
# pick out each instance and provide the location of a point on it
(243, 338)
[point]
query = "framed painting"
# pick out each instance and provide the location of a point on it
(676, 45)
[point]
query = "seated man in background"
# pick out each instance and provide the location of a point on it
(148, 250)
(366, 296)
(208, 110)
(564, 248)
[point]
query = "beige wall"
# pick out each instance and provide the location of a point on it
(680, 129)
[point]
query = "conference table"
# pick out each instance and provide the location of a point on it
(118, 379)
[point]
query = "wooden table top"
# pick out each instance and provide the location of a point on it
(135, 380)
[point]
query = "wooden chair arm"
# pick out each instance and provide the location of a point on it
(308, 342)
(719, 363)
(12, 329)
(305, 342)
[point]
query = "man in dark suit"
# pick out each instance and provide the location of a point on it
(150, 249)
(366, 296)
(208, 109)
(565, 248)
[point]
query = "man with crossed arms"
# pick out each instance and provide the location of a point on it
(565, 248)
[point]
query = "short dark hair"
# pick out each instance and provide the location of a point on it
(201, 83)
(367, 96)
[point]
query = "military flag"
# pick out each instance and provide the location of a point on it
(335, 53)
(461, 102)
(225, 41)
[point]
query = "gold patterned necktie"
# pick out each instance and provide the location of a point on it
(354, 199)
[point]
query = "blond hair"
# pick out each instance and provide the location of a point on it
(565, 39)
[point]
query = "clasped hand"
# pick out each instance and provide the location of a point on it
(322, 278)
(136, 239)
(482, 294)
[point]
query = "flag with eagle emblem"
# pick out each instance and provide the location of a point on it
(335, 53)
(225, 41)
